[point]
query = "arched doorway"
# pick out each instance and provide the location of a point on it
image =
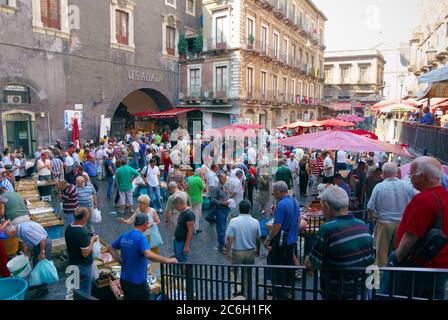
(299, 115)
(133, 113)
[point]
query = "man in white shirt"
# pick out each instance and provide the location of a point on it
(127, 137)
(152, 175)
(15, 163)
(252, 155)
(235, 187)
(293, 165)
(328, 171)
(75, 157)
(341, 161)
(299, 153)
(243, 241)
(100, 155)
(69, 163)
(212, 179)
(135, 153)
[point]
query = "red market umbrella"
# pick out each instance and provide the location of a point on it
(75, 132)
(335, 123)
(364, 133)
(350, 118)
(342, 140)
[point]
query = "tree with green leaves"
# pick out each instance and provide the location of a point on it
(198, 42)
(182, 45)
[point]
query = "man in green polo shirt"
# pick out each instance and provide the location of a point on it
(124, 176)
(284, 174)
(195, 191)
(14, 209)
(158, 139)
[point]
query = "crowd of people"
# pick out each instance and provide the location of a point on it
(401, 211)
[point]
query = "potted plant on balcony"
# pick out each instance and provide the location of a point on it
(251, 40)
(198, 43)
(182, 46)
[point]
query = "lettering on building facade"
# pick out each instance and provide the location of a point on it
(144, 76)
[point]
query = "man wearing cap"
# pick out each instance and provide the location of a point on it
(5, 183)
(68, 195)
(13, 209)
(134, 256)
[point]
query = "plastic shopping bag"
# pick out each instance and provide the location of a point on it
(96, 272)
(44, 272)
(96, 216)
(155, 239)
(96, 252)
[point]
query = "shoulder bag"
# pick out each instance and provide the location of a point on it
(281, 239)
(434, 241)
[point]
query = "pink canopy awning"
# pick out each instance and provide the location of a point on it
(336, 123)
(342, 140)
(301, 124)
(350, 118)
(390, 102)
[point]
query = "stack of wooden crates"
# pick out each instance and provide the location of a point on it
(43, 213)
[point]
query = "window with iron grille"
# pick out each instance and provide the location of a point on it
(250, 82)
(122, 27)
(16, 94)
(263, 83)
(50, 12)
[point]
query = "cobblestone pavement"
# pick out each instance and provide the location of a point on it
(203, 246)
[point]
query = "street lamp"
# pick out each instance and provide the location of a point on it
(401, 78)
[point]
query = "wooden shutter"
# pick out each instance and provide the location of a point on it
(170, 39)
(50, 11)
(122, 27)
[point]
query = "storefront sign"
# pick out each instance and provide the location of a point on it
(79, 106)
(143, 76)
(23, 135)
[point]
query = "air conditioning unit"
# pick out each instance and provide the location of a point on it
(14, 99)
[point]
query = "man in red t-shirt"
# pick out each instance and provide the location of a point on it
(419, 217)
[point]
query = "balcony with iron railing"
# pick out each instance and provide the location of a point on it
(214, 44)
(197, 95)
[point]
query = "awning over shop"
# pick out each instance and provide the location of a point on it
(143, 114)
(173, 113)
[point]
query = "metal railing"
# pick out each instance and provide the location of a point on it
(423, 138)
(216, 44)
(255, 282)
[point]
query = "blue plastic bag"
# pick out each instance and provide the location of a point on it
(155, 239)
(44, 272)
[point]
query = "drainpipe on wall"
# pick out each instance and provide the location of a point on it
(49, 129)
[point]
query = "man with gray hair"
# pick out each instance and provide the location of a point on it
(386, 205)
(419, 217)
(282, 239)
(170, 209)
(196, 186)
(342, 242)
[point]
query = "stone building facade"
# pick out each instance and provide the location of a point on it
(58, 57)
(261, 63)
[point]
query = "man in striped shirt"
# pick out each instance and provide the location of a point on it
(5, 184)
(342, 242)
(68, 195)
(317, 164)
(57, 169)
(86, 198)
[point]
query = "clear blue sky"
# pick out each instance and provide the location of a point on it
(362, 24)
